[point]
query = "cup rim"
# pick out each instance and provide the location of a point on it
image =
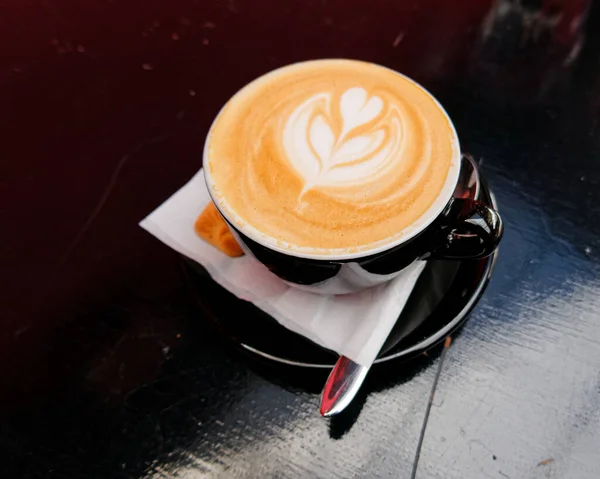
(338, 254)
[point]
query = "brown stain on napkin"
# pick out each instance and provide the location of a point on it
(211, 227)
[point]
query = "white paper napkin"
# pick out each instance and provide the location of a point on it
(354, 325)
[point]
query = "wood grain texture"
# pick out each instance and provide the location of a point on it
(108, 368)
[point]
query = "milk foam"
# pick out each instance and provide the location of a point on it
(331, 158)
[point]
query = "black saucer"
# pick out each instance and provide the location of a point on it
(440, 303)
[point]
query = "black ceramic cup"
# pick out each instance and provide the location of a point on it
(465, 229)
(455, 226)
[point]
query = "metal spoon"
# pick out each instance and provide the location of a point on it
(343, 383)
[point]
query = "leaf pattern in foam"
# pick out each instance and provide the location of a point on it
(357, 110)
(323, 160)
(356, 148)
(322, 139)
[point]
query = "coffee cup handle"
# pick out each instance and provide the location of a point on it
(472, 231)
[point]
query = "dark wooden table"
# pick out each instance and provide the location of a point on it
(108, 368)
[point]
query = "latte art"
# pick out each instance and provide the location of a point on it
(331, 156)
(358, 154)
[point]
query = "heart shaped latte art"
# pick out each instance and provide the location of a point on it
(341, 145)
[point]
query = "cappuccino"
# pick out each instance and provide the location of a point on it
(331, 157)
